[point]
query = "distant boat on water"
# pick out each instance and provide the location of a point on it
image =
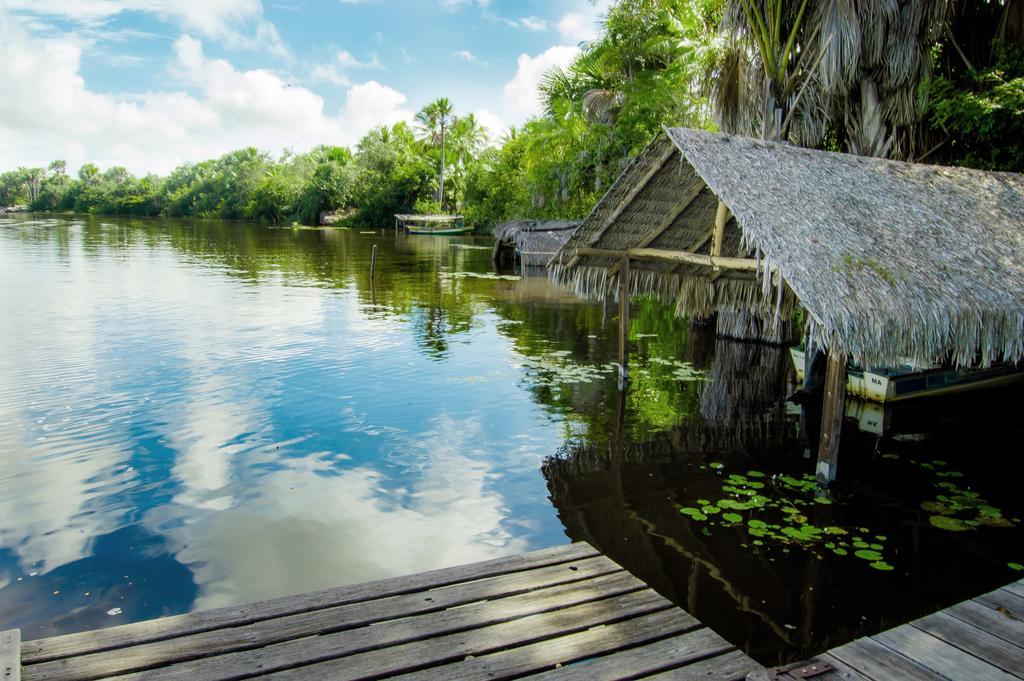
(431, 224)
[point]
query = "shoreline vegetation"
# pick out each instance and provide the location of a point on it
(956, 98)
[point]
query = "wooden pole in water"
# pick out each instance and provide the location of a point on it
(373, 261)
(623, 323)
(832, 418)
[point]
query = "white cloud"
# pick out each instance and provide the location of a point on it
(370, 104)
(239, 554)
(467, 56)
(533, 23)
(521, 92)
(492, 123)
(584, 24)
(329, 73)
(48, 110)
(336, 71)
(455, 5)
(233, 23)
(345, 59)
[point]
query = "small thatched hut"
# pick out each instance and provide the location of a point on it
(892, 261)
(531, 243)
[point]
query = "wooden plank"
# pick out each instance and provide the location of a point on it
(179, 625)
(832, 414)
(732, 666)
(1017, 588)
(1003, 601)
(844, 670)
(974, 641)
(877, 662)
(564, 650)
(995, 622)
(628, 199)
(939, 656)
(10, 655)
(659, 656)
(685, 257)
(327, 621)
(468, 627)
(438, 650)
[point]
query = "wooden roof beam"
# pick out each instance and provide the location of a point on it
(630, 197)
(682, 257)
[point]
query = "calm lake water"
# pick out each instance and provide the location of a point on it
(197, 414)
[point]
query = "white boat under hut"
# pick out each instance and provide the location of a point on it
(915, 268)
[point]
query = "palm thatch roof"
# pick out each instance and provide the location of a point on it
(892, 261)
(534, 242)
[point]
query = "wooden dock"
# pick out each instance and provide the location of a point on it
(978, 640)
(562, 613)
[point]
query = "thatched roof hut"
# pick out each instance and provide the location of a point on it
(532, 242)
(892, 261)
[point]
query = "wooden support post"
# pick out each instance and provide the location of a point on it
(373, 261)
(623, 323)
(832, 418)
(721, 217)
(10, 655)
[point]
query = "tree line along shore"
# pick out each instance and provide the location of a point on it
(938, 82)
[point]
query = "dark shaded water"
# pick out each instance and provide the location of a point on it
(200, 414)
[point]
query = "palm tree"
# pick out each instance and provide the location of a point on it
(434, 120)
(467, 139)
(792, 67)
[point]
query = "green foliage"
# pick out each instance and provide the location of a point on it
(981, 113)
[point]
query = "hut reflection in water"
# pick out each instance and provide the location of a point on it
(779, 603)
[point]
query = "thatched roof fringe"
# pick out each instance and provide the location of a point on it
(693, 296)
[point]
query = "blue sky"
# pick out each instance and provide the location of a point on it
(149, 84)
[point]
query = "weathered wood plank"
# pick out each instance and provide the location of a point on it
(538, 657)
(1017, 588)
(651, 658)
(480, 641)
(722, 262)
(844, 670)
(179, 625)
(732, 666)
(939, 656)
(481, 623)
(10, 655)
(993, 621)
(329, 620)
(877, 662)
(1003, 600)
(974, 641)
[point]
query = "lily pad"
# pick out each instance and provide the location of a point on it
(868, 554)
(946, 523)
(694, 513)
